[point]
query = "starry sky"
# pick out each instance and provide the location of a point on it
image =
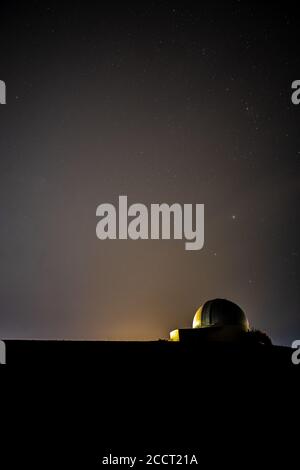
(185, 102)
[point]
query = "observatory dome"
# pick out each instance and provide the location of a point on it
(222, 313)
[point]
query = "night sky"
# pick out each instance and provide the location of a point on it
(161, 102)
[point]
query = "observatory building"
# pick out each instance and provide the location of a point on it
(215, 320)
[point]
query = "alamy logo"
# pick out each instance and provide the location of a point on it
(2, 92)
(154, 223)
(296, 354)
(296, 93)
(2, 352)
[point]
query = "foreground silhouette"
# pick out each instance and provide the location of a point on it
(71, 403)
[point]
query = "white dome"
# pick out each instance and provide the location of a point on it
(220, 312)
